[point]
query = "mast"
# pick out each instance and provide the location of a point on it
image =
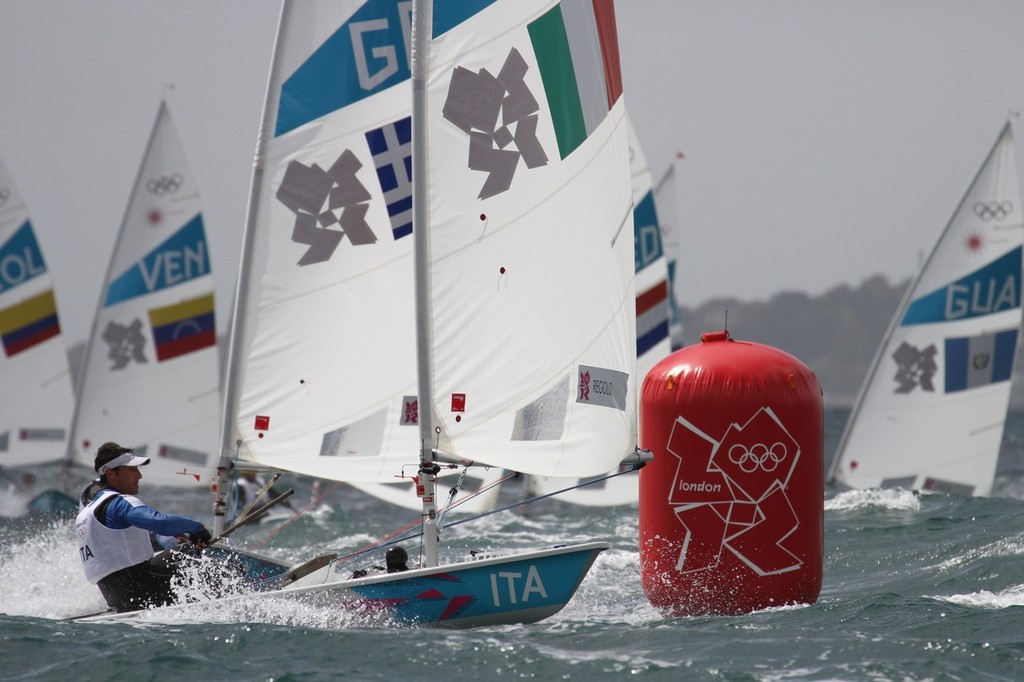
(422, 11)
(236, 327)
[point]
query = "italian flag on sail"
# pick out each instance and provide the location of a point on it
(577, 51)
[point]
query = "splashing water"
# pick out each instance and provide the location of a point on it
(896, 499)
(42, 575)
(1012, 596)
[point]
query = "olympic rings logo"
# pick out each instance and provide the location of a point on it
(759, 456)
(165, 184)
(992, 210)
(5, 194)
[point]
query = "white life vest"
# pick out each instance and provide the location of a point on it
(104, 550)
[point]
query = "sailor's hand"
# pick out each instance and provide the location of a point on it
(201, 538)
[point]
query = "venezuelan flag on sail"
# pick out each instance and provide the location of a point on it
(577, 50)
(29, 323)
(183, 327)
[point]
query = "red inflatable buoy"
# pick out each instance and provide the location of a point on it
(732, 507)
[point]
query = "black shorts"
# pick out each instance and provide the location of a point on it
(141, 586)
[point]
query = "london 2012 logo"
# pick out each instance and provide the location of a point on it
(730, 494)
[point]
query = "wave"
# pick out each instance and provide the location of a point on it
(1011, 596)
(896, 499)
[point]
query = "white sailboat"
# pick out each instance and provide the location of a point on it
(150, 376)
(930, 415)
(653, 282)
(36, 401)
(523, 319)
(653, 342)
(524, 315)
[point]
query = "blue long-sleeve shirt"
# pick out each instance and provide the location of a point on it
(120, 514)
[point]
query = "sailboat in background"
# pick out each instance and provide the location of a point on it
(653, 279)
(653, 315)
(665, 197)
(150, 376)
(523, 317)
(470, 491)
(36, 403)
(930, 415)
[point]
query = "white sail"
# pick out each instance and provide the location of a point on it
(322, 372)
(531, 331)
(325, 366)
(36, 400)
(324, 360)
(930, 415)
(150, 378)
(653, 293)
(653, 286)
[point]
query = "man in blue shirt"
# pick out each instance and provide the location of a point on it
(114, 536)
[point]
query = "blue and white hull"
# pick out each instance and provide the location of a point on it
(498, 590)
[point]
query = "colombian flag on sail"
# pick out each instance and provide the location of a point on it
(577, 48)
(183, 327)
(29, 323)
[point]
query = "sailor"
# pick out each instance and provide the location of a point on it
(114, 536)
(249, 487)
(396, 559)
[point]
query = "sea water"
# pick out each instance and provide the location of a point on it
(915, 588)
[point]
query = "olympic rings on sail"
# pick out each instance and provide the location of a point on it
(992, 210)
(165, 184)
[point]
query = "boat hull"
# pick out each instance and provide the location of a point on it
(504, 590)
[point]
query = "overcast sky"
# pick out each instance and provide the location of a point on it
(825, 140)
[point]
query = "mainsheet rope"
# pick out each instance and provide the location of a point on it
(404, 532)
